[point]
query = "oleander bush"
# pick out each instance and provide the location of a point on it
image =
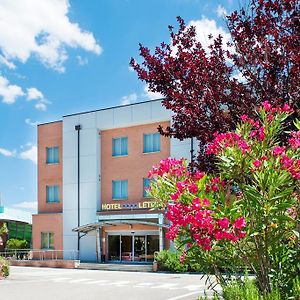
(4, 267)
(244, 215)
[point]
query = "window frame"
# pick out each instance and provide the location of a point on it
(47, 193)
(152, 142)
(50, 242)
(113, 148)
(119, 181)
(48, 162)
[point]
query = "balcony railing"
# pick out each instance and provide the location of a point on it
(39, 254)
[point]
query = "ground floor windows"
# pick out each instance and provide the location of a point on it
(132, 248)
(47, 240)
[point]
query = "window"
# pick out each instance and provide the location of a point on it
(52, 193)
(146, 186)
(151, 142)
(47, 240)
(52, 155)
(120, 189)
(120, 146)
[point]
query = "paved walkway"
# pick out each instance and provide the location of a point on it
(46, 283)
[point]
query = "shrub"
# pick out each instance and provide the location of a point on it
(4, 267)
(13, 244)
(170, 261)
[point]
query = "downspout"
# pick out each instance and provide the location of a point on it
(78, 128)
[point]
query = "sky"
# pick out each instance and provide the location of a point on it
(59, 57)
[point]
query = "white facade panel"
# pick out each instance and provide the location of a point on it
(88, 169)
(141, 112)
(122, 116)
(70, 144)
(158, 112)
(88, 141)
(105, 119)
(88, 120)
(70, 170)
(88, 196)
(70, 122)
(70, 219)
(88, 247)
(70, 196)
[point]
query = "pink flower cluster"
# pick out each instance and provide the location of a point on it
(287, 163)
(170, 166)
(294, 139)
(225, 140)
(272, 110)
(202, 224)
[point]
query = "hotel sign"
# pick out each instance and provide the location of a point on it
(120, 206)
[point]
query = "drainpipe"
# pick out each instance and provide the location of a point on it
(78, 128)
(192, 155)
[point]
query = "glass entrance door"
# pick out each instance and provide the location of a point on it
(114, 247)
(132, 248)
(126, 248)
(140, 248)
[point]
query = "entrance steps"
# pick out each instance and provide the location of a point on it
(116, 267)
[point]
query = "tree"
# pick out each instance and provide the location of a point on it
(202, 88)
(249, 214)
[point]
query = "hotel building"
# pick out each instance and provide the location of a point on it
(92, 180)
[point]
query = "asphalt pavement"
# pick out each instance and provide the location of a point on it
(26, 283)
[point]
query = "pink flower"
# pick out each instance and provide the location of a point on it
(196, 205)
(267, 106)
(278, 150)
(206, 202)
(257, 163)
(239, 223)
(193, 188)
(244, 117)
(223, 223)
(261, 134)
(264, 157)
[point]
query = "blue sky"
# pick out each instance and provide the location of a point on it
(59, 57)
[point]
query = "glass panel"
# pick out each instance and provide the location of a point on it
(52, 155)
(52, 193)
(44, 240)
(124, 146)
(51, 240)
(126, 248)
(146, 184)
(116, 147)
(147, 143)
(124, 189)
(156, 142)
(114, 247)
(152, 246)
(139, 248)
(116, 189)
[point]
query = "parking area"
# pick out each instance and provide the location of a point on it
(46, 283)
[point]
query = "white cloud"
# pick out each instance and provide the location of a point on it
(34, 94)
(130, 69)
(41, 106)
(7, 153)
(82, 61)
(129, 99)
(205, 27)
(9, 92)
(28, 121)
(30, 154)
(221, 11)
(31, 205)
(151, 95)
(4, 61)
(42, 29)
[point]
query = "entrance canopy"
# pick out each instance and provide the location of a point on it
(93, 226)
